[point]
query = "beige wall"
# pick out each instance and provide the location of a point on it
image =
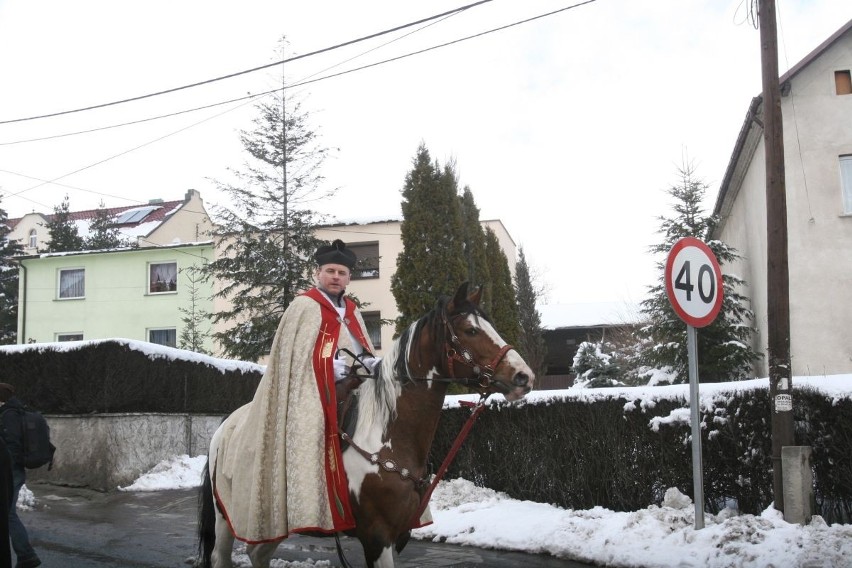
(816, 132)
(189, 224)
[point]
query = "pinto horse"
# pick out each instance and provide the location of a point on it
(395, 418)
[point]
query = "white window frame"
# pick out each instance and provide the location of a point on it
(846, 183)
(151, 330)
(69, 336)
(149, 278)
(33, 240)
(59, 293)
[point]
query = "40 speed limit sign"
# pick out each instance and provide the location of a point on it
(694, 282)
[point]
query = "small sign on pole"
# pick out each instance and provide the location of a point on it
(694, 288)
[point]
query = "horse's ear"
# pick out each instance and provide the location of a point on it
(475, 296)
(461, 295)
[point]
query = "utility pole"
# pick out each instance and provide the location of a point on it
(777, 277)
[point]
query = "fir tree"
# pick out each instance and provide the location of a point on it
(595, 366)
(474, 243)
(504, 308)
(8, 283)
(103, 234)
(724, 347)
(267, 238)
(530, 341)
(196, 321)
(432, 262)
(62, 231)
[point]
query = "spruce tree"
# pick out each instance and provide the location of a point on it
(103, 234)
(8, 283)
(266, 238)
(474, 243)
(530, 343)
(63, 233)
(724, 347)
(196, 321)
(432, 261)
(504, 309)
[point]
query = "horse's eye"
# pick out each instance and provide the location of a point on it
(471, 331)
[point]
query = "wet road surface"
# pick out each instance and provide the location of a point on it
(81, 528)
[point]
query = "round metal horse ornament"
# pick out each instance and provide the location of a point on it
(397, 414)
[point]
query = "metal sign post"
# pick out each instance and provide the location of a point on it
(694, 288)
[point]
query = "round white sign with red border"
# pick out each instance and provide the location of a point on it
(694, 282)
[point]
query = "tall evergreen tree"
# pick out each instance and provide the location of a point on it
(103, 234)
(63, 233)
(267, 237)
(530, 341)
(432, 262)
(8, 283)
(504, 307)
(724, 347)
(474, 243)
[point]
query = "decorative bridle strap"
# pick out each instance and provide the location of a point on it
(386, 464)
(482, 374)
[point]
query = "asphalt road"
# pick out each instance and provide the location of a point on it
(81, 528)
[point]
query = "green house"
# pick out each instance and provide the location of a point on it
(145, 293)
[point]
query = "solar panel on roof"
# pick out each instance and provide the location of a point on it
(134, 215)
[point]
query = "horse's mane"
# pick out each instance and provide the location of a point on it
(379, 396)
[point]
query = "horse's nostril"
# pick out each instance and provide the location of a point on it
(521, 379)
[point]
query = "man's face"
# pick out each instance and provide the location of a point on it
(333, 278)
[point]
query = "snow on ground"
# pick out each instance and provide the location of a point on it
(656, 537)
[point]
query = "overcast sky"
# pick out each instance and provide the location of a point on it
(568, 128)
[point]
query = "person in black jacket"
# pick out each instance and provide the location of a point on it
(5, 503)
(12, 430)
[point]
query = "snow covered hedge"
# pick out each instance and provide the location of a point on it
(118, 375)
(621, 448)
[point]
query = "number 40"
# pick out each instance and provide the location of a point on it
(683, 281)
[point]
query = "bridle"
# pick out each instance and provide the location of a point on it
(482, 374)
(481, 379)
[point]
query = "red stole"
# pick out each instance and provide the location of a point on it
(324, 351)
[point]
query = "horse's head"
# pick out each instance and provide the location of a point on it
(476, 355)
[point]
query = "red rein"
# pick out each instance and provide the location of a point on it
(478, 407)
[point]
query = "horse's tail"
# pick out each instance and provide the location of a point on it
(206, 519)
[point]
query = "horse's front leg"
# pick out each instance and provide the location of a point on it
(261, 554)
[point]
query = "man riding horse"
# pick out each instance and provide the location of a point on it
(279, 469)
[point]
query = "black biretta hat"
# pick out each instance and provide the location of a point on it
(335, 253)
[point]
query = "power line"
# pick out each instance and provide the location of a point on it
(237, 74)
(251, 97)
(296, 84)
(480, 34)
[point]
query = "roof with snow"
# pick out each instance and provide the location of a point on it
(133, 220)
(589, 314)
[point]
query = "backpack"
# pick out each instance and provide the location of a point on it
(35, 433)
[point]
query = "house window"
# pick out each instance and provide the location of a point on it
(162, 277)
(72, 283)
(846, 183)
(843, 82)
(368, 260)
(373, 321)
(69, 336)
(33, 239)
(165, 336)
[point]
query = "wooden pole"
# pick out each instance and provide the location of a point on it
(777, 277)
